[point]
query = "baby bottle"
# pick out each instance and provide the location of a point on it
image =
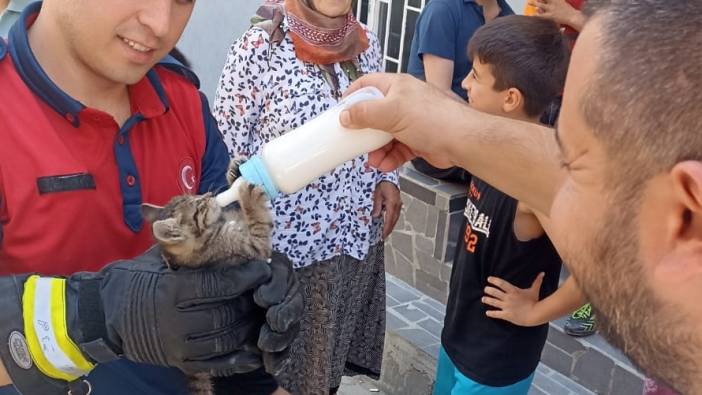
(290, 162)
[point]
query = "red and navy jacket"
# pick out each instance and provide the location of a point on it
(72, 180)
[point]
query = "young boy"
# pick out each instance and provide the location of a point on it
(519, 67)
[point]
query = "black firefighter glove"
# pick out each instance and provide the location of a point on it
(198, 320)
(282, 298)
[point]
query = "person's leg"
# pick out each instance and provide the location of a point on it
(465, 386)
(445, 377)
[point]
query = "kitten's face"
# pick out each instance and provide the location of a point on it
(183, 226)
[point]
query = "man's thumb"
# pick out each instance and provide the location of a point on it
(369, 114)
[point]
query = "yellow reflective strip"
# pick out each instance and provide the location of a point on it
(58, 320)
(35, 349)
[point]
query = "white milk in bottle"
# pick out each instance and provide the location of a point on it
(293, 160)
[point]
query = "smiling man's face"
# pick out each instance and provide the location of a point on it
(120, 40)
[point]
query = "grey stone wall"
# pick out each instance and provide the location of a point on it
(420, 250)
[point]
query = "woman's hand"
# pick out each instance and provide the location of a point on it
(513, 304)
(387, 199)
(560, 12)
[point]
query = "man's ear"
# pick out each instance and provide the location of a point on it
(513, 101)
(682, 225)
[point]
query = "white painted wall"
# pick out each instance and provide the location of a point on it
(215, 24)
(517, 5)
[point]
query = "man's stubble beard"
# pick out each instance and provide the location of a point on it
(656, 336)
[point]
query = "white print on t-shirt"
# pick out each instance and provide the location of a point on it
(478, 221)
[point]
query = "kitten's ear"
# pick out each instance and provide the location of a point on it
(151, 212)
(167, 231)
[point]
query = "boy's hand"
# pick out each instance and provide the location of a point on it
(513, 304)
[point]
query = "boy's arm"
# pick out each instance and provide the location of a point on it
(438, 71)
(522, 306)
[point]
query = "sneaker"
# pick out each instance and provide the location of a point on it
(581, 322)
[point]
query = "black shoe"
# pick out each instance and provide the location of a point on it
(581, 322)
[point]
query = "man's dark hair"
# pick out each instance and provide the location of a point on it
(527, 53)
(642, 101)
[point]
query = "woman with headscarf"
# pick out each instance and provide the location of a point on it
(290, 66)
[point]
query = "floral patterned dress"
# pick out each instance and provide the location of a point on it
(326, 229)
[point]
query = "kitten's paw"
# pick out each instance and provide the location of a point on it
(252, 196)
(233, 171)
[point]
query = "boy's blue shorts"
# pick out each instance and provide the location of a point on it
(450, 381)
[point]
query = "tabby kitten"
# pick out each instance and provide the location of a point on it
(194, 231)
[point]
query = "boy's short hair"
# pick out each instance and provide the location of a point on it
(524, 52)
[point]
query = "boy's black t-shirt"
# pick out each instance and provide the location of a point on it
(489, 351)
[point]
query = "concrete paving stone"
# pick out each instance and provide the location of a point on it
(427, 263)
(432, 221)
(442, 202)
(406, 199)
(417, 191)
(440, 236)
(624, 382)
(401, 223)
(402, 284)
(416, 216)
(452, 189)
(597, 342)
(402, 270)
(418, 337)
(436, 305)
(359, 385)
(557, 359)
(410, 313)
(417, 176)
(563, 341)
(544, 369)
(571, 385)
(424, 244)
(393, 321)
(594, 371)
(431, 285)
(402, 242)
(401, 294)
(432, 326)
(433, 350)
(548, 385)
(391, 302)
(535, 391)
(427, 308)
(388, 254)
